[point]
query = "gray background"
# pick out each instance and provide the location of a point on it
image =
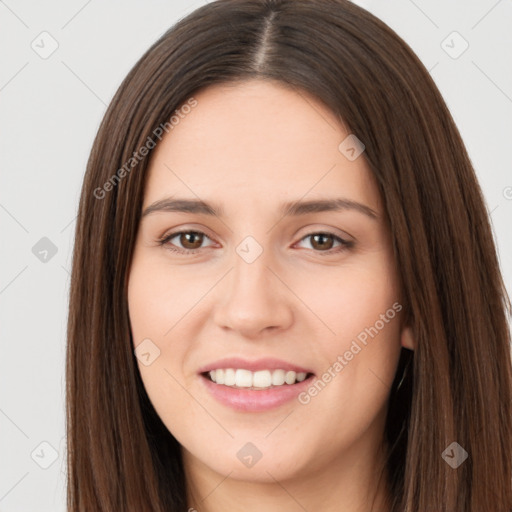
(50, 111)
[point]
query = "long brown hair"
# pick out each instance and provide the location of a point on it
(458, 383)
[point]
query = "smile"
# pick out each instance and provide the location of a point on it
(266, 386)
(263, 379)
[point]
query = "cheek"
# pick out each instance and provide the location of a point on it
(155, 307)
(361, 347)
(151, 303)
(159, 297)
(350, 298)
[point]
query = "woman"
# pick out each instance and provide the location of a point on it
(221, 356)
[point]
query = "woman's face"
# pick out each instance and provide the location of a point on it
(256, 285)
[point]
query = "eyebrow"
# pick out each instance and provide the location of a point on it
(292, 208)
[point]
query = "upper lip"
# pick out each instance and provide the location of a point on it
(267, 363)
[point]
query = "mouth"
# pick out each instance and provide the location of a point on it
(239, 378)
(257, 390)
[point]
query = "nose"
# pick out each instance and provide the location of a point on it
(252, 299)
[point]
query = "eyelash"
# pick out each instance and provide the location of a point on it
(165, 241)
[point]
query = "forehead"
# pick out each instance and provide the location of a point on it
(257, 141)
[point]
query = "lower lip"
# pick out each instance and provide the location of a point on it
(255, 400)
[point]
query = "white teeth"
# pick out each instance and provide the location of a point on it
(229, 377)
(243, 378)
(289, 378)
(278, 378)
(261, 379)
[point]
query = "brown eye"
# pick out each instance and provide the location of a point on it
(190, 239)
(322, 241)
(187, 242)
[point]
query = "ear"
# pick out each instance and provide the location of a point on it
(407, 339)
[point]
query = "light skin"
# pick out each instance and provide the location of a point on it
(248, 148)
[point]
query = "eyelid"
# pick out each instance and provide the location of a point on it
(312, 229)
(165, 239)
(343, 241)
